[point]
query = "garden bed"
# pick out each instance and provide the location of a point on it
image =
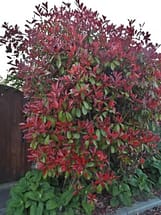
(145, 207)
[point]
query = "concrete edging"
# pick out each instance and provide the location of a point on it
(139, 207)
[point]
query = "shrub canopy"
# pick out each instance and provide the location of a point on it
(92, 87)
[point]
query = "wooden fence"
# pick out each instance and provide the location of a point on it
(13, 150)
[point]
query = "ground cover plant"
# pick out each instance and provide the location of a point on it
(93, 94)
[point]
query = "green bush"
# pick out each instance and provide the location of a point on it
(34, 195)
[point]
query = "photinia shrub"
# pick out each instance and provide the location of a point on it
(92, 88)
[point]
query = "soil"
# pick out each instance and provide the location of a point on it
(103, 207)
(155, 210)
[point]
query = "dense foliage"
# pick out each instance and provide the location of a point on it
(93, 90)
(32, 195)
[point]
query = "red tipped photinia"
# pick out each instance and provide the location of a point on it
(92, 91)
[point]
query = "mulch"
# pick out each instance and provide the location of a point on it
(153, 211)
(103, 207)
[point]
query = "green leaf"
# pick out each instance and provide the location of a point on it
(62, 71)
(44, 119)
(33, 209)
(115, 190)
(48, 195)
(133, 181)
(69, 211)
(33, 144)
(47, 139)
(86, 105)
(58, 62)
(87, 143)
(78, 113)
(40, 209)
(107, 187)
(67, 196)
(97, 60)
(112, 149)
(69, 134)
(14, 202)
(159, 180)
(90, 39)
(99, 188)
(114, 202)
(98, 134)
(157, 165)
(43, 158)
(117, 127)
(31, 195)
(90, 164)
(19, 211)
(112, 66)
(52, 120)
(106, 90)
(68, 116)
(108, 142)
(92, 80)
(139, 172)
(107, 64)
(125, 187)
(76, 136)
(125, 198)
(73, 112)
(88, 207)
(116, 62)
(51, 204)
(103, 133)
(61, 116)
(28, 203)
(84, 110)
(55, 138)
(51, 213)
(105, 114)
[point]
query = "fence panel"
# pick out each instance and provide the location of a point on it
(13, 162)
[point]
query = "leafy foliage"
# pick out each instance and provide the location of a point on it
(93, 89)
(35, 195)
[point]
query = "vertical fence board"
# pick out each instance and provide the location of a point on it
(13, 162)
